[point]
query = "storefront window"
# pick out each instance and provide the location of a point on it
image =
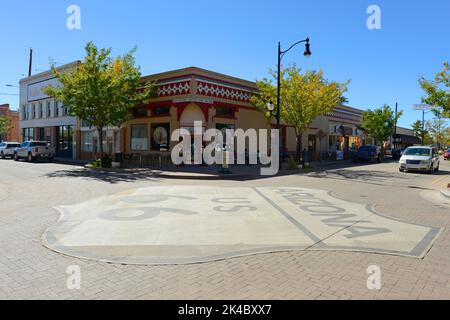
(139, 139)
(87, 142)
(160, 136)
(48, 135)
(117, 141)
(333, 143)
(312, 144)
(28, 134)
(64, 142)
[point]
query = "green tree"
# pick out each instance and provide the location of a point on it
(5, 126)
(379, 124)
(421, 132)
(437, 129)
(438, 90)
(304, 97)
(102, 90)
(418, 128)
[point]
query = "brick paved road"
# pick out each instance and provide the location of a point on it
(28, 270)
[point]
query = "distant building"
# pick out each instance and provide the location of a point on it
(14, 134)
(405, 138)
(42, 118)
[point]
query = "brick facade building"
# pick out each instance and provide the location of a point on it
(14, 134)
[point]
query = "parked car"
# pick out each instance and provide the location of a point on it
(34, 150)
(368, 153)
(7, 149)
(420, 159)
(447, 155)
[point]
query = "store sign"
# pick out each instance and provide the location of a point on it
(35, 90)
(425, 107)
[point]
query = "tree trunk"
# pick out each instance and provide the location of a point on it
(100, 138)
(299, 146)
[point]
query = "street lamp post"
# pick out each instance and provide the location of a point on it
(281, 54)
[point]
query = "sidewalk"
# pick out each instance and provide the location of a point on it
(237, 171)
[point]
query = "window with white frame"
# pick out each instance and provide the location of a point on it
(87, 141)
(56, 109)
(48, 110)
(24, 112)
(139, 137)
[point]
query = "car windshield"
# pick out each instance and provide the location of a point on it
(417, 152)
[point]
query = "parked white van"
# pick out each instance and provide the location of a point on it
(420, 159)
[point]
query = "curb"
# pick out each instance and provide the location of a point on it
(208, 176)
(204, 177)
(445, 193)
(69, 162)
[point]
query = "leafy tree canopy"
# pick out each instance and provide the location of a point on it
(304, 97)
(5, 125)
(438, 90)
(379, 124)
(102, 90)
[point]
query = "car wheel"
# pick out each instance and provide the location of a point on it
(401, 170)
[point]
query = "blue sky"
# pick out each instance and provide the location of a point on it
(240, 38)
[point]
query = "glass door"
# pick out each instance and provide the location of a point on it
(64, 139)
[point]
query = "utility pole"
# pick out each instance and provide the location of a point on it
(395, 126)
(30, 65)
(423, 127)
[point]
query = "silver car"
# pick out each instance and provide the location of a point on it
(420, 159)
(7, 149)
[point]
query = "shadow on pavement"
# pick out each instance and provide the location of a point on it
(361, 175)
(108, 176)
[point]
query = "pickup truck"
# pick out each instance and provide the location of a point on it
(7, 149)
(34, 150)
